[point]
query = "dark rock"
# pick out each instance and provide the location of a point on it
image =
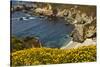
(30, 42)
(21, 18)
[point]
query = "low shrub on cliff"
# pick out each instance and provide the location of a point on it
(36, 56)
(25, 43)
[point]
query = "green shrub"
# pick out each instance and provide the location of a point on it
(36, 56)
(24, 43)
(16, 44)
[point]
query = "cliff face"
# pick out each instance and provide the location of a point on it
(78, 33)
(85, 26)
(84, 31)
(90, 29)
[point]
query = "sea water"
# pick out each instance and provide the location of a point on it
(51, 33)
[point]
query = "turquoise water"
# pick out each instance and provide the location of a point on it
(51, 33)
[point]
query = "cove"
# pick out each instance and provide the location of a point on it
(51, 33)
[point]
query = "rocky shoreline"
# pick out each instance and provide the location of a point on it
(73, 44)
(85, 25)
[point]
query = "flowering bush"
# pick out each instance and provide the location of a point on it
(36, 56)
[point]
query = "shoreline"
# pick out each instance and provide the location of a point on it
(73, 44)
(85, 26)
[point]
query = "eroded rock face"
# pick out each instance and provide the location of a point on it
(78, 33)
(85, 26)
(85, 30)
(90, 29)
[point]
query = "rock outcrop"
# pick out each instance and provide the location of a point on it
(90, 29)
(84, 30)
(85, 26)
(78, 33)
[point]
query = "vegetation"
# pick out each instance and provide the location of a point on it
(37, 56)
(16, 44)
(25, 43)
(23, 53)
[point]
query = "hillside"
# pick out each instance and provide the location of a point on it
(35, 56)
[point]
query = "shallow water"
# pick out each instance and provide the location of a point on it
(51, 33)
